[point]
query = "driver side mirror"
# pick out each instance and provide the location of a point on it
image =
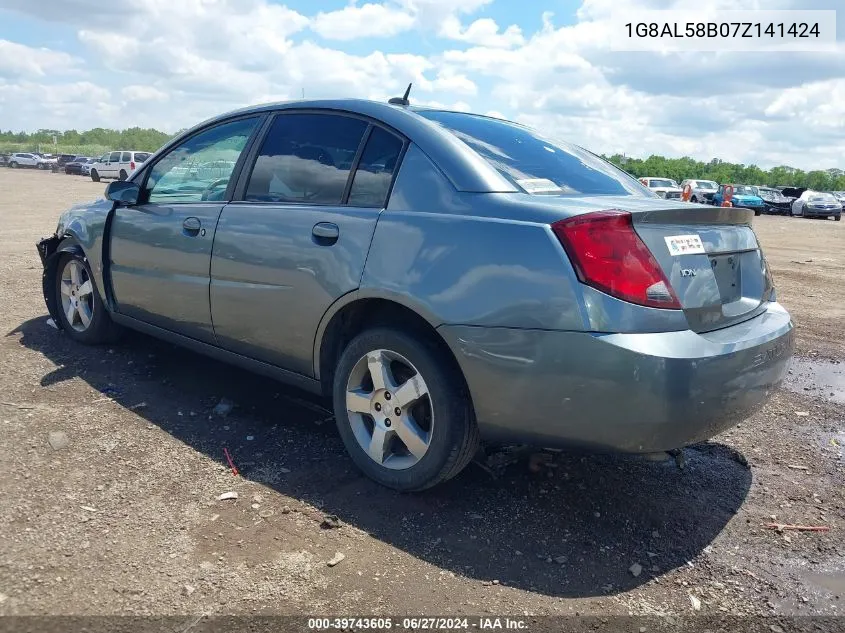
(123, 192)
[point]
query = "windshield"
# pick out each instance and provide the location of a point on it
(745, 190)
(662, 182)
(822, 197)
(536, 164)
(707, 184)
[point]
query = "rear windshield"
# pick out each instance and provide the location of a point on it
(707, 184)
(659, 182)
(536, 164)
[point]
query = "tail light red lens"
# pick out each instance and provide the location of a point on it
(609, 255)
(132, 165)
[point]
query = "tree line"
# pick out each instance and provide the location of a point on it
(99, 140)
(679, 169)
(89, 142)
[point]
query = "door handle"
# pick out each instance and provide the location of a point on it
(191, 226)
(326, 233)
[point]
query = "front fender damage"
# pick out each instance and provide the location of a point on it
(50, 249)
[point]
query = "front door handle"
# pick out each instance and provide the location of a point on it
(325, 233)
(191, 226)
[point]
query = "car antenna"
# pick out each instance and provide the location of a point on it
(403, 100)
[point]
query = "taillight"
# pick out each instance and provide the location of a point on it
(132, 165)
(609, 255)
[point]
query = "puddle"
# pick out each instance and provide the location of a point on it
(825, 379)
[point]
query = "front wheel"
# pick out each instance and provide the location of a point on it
(95, 176)
(837, 218)
(82, 314)
(13, 165)
(402, 410)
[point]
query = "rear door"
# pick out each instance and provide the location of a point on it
(298, 238)
(160, 249)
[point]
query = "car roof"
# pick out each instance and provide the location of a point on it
(466, 169)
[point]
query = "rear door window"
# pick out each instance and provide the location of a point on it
(306, 158)
(126, 157)
(375, 170)
(534, 163)
(141, 156)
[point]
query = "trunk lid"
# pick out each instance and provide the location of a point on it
(712, 260)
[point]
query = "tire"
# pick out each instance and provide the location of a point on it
(95, 176)
(757, 211)
(694, 199)
(13, 165)
(89, 322)
(442, 418)
(837, 218)
(123, 175)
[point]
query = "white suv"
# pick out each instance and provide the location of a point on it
(117, 164)
(25, 159)
(663, 187)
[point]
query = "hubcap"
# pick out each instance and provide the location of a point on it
(77, 295)
(389, 409)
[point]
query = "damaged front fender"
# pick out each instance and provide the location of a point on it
(50, 249)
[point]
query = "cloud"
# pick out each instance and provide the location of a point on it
(484, 32)
(26, 61)
(368, 20)
(181, 62)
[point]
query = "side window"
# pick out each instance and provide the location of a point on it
(200, 168)
(114, 157)
(375, 170)
(306, 158)
(141, 156)
(126, 157)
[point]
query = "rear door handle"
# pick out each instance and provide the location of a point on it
(191, 226)
(325, 232)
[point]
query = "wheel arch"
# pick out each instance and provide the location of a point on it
(356, 311)
(67, 243)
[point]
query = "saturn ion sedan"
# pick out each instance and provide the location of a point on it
(446, 278)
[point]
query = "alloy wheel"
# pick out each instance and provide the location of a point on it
(77, 294)
(389, 408)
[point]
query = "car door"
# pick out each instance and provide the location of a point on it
(296, 237)
(111, 166)
(160, 248)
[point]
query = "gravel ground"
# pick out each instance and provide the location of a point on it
(114, 464)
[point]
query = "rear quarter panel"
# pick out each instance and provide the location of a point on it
(447, 255)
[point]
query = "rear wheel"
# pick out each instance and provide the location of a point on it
(837, 217)
(95, 176)
(13, 165)
(82, 314)
(122, 175)
(402, 411)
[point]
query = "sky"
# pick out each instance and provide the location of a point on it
(168, 64)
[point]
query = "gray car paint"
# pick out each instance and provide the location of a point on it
(475, 258)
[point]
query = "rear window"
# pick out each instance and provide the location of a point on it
(534, 163)
(141, 156)
(126, 157)
(660, 182)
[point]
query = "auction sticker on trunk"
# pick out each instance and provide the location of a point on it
(684, 244)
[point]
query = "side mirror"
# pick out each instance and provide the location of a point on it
(124, 192)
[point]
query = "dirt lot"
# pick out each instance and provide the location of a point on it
(125, 518)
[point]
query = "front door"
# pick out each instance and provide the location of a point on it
(298, 239)
(161, 248)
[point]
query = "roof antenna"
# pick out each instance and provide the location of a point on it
(403, 100)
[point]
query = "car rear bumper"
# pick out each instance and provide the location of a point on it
(623, 392)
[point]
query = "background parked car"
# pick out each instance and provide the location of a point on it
(817, 204)
(663, 187)
(30, 159)
(118, 164)
(702, 190)
(85, 168)
(4, 160)
(774, 201)
(840, 195)
(75, 166)
(744, 197)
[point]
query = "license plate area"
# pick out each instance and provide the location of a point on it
(726, 270)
